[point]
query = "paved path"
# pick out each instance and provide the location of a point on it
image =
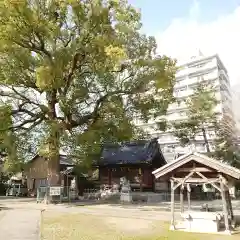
(19, 224)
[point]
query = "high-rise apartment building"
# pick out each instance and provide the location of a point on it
(211, 70)
(236, 106)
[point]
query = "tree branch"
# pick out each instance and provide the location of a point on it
(94, 115)
(33, 47)
(34, 120)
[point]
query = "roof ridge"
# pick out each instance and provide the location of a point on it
(217, 161)
(212, 163)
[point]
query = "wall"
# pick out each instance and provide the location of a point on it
(37, 169)
(130, 172)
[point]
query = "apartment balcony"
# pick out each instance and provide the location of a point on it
(226, 77)
(184, 92)
(177, 107)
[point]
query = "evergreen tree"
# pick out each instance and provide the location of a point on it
(201, 116)
(201, 119)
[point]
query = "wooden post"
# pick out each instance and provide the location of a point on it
(172, 227)
(181, 198)
(189, 197)
(225, 209)
(229, 204)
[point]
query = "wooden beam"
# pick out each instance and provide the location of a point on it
(229, 204)
(181, 199)
(189, 196)
(225, 208)
(181, 181)
(210, 181)
(196, 169)
(172, 206)
(195, 180)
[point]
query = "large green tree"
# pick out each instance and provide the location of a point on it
(77, 69)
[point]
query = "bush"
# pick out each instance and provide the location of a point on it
(3, 189)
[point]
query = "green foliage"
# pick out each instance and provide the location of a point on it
(200, 115)
(225, 146)
(80, 70)
(185, 131)
(202, 104)
(201, 118)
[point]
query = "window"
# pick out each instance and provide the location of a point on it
(182, 113)
(43, 182)
(183, 89)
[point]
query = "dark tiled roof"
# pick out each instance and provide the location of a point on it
(130, 153)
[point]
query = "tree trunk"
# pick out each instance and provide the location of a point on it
(53, 141)
(53, 171)
(53, 178)
(205, 139)
(54, 159)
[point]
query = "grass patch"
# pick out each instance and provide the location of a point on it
(59, 226)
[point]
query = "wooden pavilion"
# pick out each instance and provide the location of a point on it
(197, 169)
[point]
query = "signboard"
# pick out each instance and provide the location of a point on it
(55, 191)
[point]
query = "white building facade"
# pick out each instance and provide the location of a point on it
(210, 70)
(236, 106)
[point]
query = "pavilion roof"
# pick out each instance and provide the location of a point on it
(200, 158)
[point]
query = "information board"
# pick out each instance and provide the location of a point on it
(55, 191)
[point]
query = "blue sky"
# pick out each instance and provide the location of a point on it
(183, 27)
(158, 14)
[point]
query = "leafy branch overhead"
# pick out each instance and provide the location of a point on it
(79, 66)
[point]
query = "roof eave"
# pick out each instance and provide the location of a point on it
(234, 173)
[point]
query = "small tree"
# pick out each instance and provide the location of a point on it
(226, 148)
(76, 69)
(201, 115)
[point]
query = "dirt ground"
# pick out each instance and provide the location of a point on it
(75, 226)
(57, 224)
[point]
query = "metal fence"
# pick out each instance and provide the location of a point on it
(153, 197)
(56, 194)
(66, 194)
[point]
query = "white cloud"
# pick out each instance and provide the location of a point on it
(184, 37)
(194, 11)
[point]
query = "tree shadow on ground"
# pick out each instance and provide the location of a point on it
(2, 208)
